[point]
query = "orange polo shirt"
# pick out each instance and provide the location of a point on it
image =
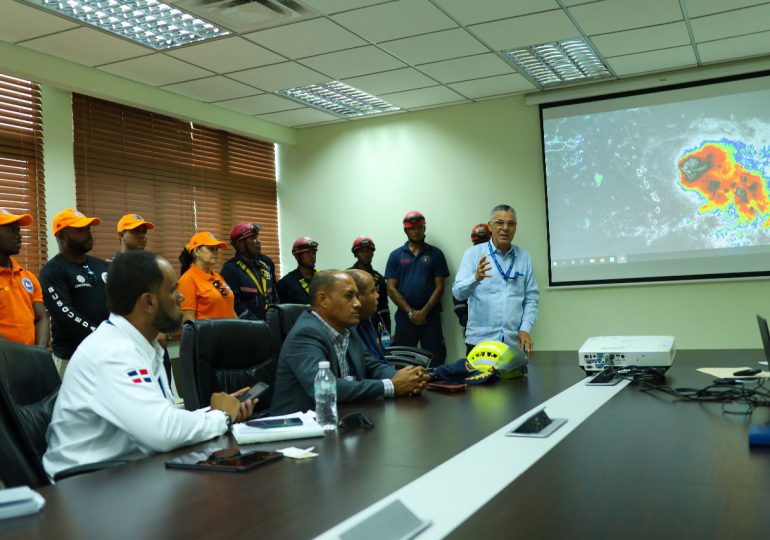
(19, 288)
(206, 299)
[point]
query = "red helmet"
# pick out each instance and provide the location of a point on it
(413, 219)
(303, 244)
(362, 242)
(480, 233)
(243, 230)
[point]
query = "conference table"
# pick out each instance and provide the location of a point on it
(644, 465)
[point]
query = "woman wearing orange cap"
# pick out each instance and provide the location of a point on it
(206, 294)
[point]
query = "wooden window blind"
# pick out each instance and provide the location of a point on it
(22, 182)
(184, 178)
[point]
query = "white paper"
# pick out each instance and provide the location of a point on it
(245, 434)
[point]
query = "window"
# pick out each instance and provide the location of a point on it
(184, 178)
(22, 182)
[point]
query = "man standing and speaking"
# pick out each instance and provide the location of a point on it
(497, 280)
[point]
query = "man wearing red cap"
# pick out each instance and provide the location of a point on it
(415, 274)
(22, 313)
(250, 274)
(363, 250)
(480, 234)
(294, 287)
(73, 285)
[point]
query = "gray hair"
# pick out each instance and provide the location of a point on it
(501, 208)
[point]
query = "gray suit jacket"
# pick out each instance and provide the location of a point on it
(309, 343)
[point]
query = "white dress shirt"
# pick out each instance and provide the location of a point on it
(115, 403)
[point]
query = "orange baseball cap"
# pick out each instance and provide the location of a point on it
(6, 218)
(205, 239)
(132, 221)
(72, 218)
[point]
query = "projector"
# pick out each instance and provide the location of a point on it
(600, 352)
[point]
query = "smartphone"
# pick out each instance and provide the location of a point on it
(746, 372)
(275, 423)
(227, 460)
(444, 386)
(255, 391)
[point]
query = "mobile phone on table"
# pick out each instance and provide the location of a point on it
(444, 386)
(255, 391)
(270, 423)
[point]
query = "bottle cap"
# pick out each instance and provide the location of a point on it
(323, 365)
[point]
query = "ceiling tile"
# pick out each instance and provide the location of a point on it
(327, 7)
(423, 97)
(87, 46)
(212, 89)
(391, 81)
(732, 23)
(228, 54)
(395, 20)
(642, 39)
(614, 15)
(489, 10)
(698, 8)
(155, 70)
(493, 86)
(645, 62)
(299, 117)
(353, 62)
(306, 38)
(737, 47)
(470, 67)
(262, 104)
(527, 30)
(20, 22)
(279, 76)
(436, 46)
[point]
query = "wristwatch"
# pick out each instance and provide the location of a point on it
(229, 420)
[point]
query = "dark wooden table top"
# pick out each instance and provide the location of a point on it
(680, 465)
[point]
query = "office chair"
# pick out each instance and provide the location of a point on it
(29, 386)
(281, 319)
(225, 355)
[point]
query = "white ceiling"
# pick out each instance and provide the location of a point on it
(413, 53)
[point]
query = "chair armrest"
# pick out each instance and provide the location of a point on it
(397, 349)
(87, 468)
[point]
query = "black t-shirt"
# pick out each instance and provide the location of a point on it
(294, 288)
(76, 297)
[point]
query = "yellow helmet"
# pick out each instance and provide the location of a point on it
(509, 362)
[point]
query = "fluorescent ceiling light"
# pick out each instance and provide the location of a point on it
(339, 99)
(147, 22)
(561, 62)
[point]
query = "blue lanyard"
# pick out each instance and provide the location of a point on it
(507, 274)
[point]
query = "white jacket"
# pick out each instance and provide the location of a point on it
(115, 403)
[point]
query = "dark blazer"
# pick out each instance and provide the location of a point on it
(309, 343)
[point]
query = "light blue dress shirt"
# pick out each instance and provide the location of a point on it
(497, 307)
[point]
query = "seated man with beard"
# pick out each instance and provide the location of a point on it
(115, 402)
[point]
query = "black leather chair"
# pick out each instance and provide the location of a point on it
(225, 355)
(29, 386)
(281, 319)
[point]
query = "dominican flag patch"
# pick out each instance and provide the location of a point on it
(139, 376)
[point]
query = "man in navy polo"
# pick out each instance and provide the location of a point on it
(415, 274)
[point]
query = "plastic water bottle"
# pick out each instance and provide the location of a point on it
(325, 388)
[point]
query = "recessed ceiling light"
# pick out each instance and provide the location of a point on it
(339, 99)
(147, 22)
(561, 62)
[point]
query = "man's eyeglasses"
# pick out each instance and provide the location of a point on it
(414, 220)
(222, 290)
(499, 223)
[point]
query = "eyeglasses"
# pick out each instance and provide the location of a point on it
(414, 220)
(222, 290)
(356, 420)
(499, 223)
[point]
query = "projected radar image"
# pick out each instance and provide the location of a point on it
(666, 178)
